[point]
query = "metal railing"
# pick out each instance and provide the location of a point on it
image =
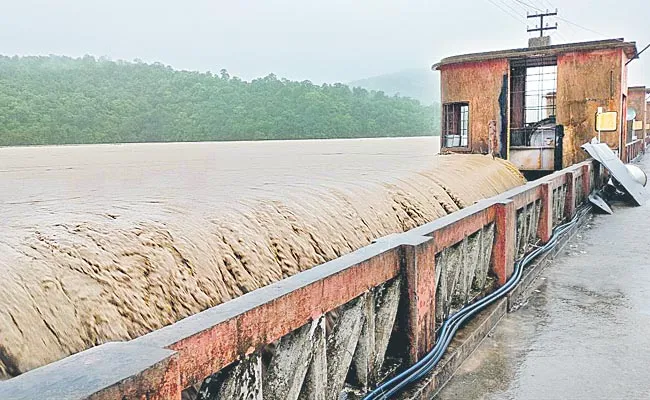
(633, 150)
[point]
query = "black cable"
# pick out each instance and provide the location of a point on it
(452, 324)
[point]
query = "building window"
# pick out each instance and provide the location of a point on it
(533, 102)
(455, 130)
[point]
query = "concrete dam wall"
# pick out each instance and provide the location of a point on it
(146, 235)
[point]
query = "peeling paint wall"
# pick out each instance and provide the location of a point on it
(586, 81)
(480, 85)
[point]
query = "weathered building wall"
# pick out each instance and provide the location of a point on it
(624, 104)
(647, 118)
(480, 84)
(586, 81)
(636, 100)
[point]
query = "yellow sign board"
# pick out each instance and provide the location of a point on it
(638, 126)
(607, 121)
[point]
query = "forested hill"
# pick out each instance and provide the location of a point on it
(59, 100)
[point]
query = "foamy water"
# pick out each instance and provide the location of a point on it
(108, 242)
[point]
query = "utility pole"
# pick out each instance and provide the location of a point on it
(541, 27)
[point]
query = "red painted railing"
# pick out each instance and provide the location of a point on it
(633, 150)
(396, 290)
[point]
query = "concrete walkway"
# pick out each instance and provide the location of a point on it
(585, 332)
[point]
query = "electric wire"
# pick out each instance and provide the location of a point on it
(514, 16)
(569, 24)
(561, 18)
(453, 323)
(516, 12)
(549, 4)
(527, 6)
(581, 27)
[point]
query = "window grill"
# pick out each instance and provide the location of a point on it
(455, 125)
(533, 101)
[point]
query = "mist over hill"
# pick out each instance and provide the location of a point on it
(419, 84)
(422, 85)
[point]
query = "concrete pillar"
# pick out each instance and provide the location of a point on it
(570, 199)
(420, 283)
(341, 344)
(293, 355)
(315, 384)
(503, 255)
(381, 312)
(243, 381)
(386, 304)
(487, 245)
(364, 355)
(545, 228)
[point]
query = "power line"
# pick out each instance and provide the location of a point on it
(546, 2)
(575, 32)
(529, 5)
(514, 16)
(523, 8)
(560, 35)
(523, 5)
(549, 4)
(571, 23)
(512, 8)
(581, 27)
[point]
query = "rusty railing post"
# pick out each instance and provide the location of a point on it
(420, 288)
(586, 181)
(570, 200)
(545, 227)
(503, 255)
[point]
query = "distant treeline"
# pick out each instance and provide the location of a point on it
(59, 100)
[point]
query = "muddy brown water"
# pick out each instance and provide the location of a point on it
(108, 242)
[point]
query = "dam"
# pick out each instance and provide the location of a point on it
(108, 243)
(320, 275)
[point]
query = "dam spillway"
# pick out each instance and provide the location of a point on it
(105, 243)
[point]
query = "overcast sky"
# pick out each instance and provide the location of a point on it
(324, 41)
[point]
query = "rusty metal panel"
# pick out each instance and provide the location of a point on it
(533, 158)
(604, 155)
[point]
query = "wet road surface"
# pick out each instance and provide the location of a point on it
(585, 332)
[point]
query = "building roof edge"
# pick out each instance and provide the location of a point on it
(539, 51)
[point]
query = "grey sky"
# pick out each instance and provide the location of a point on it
(333, 40)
